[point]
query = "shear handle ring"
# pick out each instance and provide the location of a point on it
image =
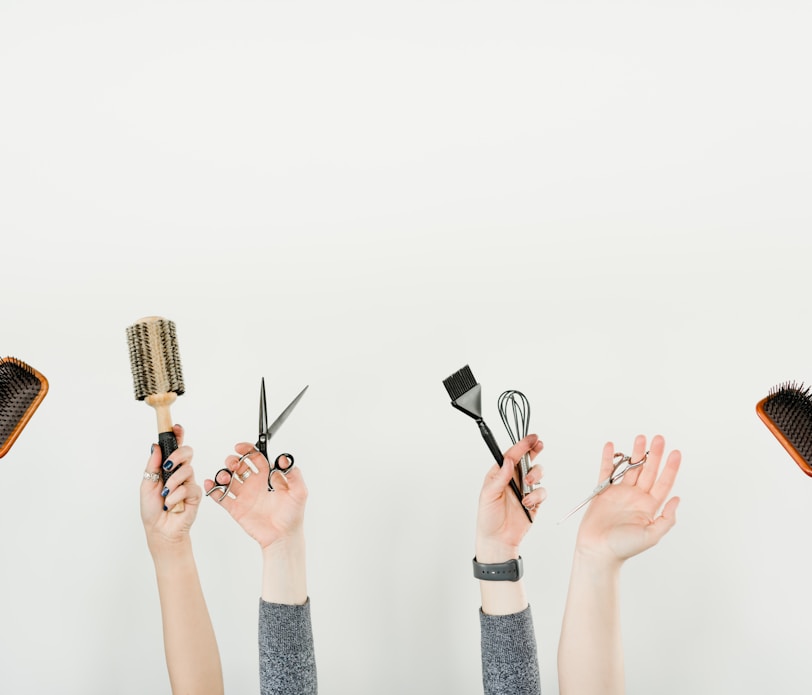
(276, 468)
(223, 488)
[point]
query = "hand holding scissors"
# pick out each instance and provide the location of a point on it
(621, 465)
(225, 477)
(635, 514)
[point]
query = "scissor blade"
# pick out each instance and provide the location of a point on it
(605, 483)
(580, 506)
(263, 408)
(276, 424)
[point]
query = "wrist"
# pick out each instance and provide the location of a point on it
(168, 556)
(285, 545)
(284, 576)
(163, 548)
(594, 562)
(492, 551)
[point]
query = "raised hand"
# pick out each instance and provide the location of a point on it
(164, 526)
(264, 515)
(625, 519)
(501, 523)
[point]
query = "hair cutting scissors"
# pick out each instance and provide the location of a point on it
(622, 465)
(225, 477)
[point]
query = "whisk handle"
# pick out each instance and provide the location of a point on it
(487, 435)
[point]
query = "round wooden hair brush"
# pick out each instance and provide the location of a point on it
(157, 376)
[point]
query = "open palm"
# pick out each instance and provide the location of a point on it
(622, 521)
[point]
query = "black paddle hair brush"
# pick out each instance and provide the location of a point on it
(787, 412)
(466, 396)
(22, 389)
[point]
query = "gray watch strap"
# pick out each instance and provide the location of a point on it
(510, 571)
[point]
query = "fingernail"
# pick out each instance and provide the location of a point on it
(165, 492)
(166, 509)
(168, 465)
(151, 449)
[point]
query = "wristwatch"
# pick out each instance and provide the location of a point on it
(510, 571)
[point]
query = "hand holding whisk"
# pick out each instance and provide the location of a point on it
(515, 411)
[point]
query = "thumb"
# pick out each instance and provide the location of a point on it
(663, 523)
(497, 479)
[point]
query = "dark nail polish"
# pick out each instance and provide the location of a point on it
(151, 449)
(168, 465)
(165, 508)
(165, 492)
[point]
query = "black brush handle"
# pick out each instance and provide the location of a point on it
(168, 444)
(487, 435)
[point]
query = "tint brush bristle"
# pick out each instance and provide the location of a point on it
(22, 389)
(460, 382)
(787, 412)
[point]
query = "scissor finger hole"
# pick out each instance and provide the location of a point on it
(222, 485)
(290, 459)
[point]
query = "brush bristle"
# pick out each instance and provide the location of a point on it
(21, 390)
(459, 382)
(789, 406)
(154, 358)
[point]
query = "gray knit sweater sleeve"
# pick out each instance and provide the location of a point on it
(509, 659)
(287, 661)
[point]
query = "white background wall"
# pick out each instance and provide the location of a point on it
(605, 205)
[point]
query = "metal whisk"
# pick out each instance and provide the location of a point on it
(515, 411)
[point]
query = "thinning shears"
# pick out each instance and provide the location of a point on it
(622, 464)
(225, 477)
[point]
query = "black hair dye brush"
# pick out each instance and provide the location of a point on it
(466, 396)
(787, 412)
(22, 389)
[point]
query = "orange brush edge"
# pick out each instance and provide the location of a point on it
(28, 413)
(779, 435)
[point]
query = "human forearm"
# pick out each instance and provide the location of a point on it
(502, 597)
(192, 657)
(284, 575)
(590, 652)
(509, 655)
(287, 662)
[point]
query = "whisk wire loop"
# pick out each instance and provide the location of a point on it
(514, 409)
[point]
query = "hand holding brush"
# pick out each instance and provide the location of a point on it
(466, 396)
(190, 646)
(500, 526)
(157, 377)
(165, 531)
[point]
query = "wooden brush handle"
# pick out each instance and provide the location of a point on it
(166, 436)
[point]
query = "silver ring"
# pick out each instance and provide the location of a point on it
(248, 462)
(152, 477)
